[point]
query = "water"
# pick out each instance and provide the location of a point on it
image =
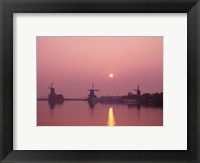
(80, 113)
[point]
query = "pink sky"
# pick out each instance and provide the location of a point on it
(74, 63)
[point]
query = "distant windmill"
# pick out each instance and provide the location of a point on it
(53, 97)
(51, 85)
(52, 90)
(91, 95)
(137, 90)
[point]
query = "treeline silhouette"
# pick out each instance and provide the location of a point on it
(155, 99)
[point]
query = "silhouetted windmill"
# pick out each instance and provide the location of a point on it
(138, 91)
(54, 98)
(52, 90)
(92, 95)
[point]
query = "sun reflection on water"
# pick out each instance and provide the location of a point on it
(111, 118)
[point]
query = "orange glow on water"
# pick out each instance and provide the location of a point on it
(111, 118)
(79, 113)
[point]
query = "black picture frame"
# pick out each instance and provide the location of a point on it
(8, 7)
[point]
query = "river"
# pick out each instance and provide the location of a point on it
(80, 113)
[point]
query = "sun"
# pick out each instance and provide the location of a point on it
(111, 75)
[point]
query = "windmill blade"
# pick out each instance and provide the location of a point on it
(51, 84)
(137, 87)
(96, 90)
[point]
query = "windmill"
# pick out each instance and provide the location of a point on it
(91, 95)
(53, 97)
(137, 90)
(52, 90)
(51, 86)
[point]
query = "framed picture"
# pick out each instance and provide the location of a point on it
(99, 81)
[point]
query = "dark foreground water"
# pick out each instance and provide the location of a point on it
(80, 113)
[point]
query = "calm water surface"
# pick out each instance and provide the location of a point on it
(80, 113)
